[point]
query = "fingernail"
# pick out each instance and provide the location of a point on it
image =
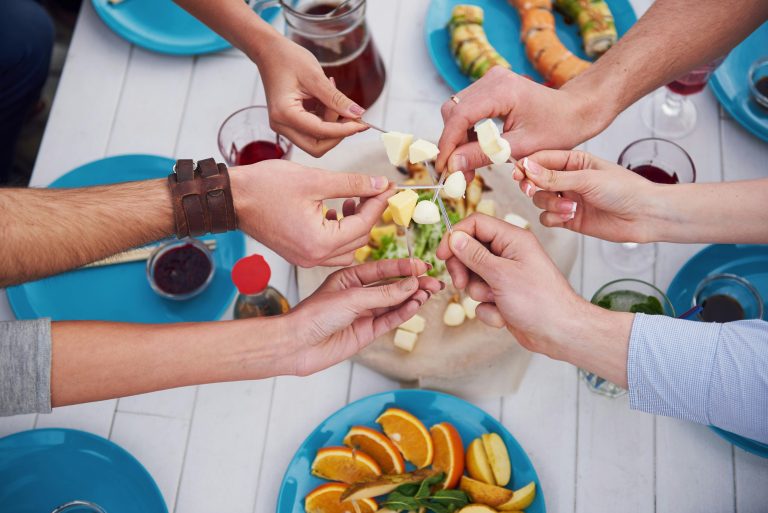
(429, 294)
(409, 283)
(458, 240)
(429, 266)
(570, 205)
(529, 190)
(379, 182)
(333, 81)
(356, 110)
(568, 217)
(442, 285)
(458, 163)
(532, 167)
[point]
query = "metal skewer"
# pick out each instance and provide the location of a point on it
(364, 122)
(420, 187)
(436, 196)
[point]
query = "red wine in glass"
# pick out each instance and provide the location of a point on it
(686, 88)
(656, 174)
(256, 151)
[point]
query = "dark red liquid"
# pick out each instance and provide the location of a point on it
(182, 270)
(358, 74)
(762, 86)
(655, 174)
(257, 151)
(721, 308)
(686, 88)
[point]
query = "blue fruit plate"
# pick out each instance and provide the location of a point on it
(431, 408)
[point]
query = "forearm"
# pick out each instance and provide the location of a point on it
(670, 39)
(236, 22)
(48, 231)
(92, 361)
(596, 340)
(731, 212)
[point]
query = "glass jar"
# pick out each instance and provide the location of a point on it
(337, 34)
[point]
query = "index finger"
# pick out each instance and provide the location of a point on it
(461, 118)
(498, 234)
(562, 160)
(310, 124)
(373, 272)
(359, 224)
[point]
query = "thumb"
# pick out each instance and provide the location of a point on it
(556, 181)
(468, 157)
(350, 185)
(360, 299)
(331, 97)
(474, 255)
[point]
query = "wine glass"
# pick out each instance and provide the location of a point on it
(670, 113)
(659, 161)
(627, 295)
(246, 138)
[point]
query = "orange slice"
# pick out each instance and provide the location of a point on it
(378, 447)
(345, 465)
(409, 435)
(449, 453)
(325, 499)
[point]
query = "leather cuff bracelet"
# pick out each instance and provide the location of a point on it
(202, 198)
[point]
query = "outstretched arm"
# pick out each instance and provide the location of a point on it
(291, 76)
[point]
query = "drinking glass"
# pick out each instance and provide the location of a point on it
(246, 138)
(626, 295)
(727, 297)
(670, 113)
(660, 161)
(336, 32)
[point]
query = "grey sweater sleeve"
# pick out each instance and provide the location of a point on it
(25, 367)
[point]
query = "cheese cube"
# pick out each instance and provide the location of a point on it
(487, 207)
(402, 205)
(405, 340)
(415, 324)
(396, 144)
(379, 232)
(421, 151)
(517, 220)
(386, 216)
(362, 254)
(455, 185)
(470, 307)
(426, 212)
(454, 315)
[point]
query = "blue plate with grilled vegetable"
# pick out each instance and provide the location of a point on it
(551, 42)
(353, 460)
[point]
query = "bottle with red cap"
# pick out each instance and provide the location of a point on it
(257, 299)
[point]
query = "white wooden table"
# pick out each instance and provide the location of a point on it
(224, 447)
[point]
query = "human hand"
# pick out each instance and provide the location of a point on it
(535, 117)
(351, 308)
(280, 204)
(599, 198)
(520, 288)
(304, 105)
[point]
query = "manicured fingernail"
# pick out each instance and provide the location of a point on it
(532, 167)
(333, 81)
(379, 182)
(429, 294)
(529, 190)
(356, 110)
(409, 283)
(459, 240)
(568, 216)
(458, 163)
(442, 284)
(429, 266)
(570, 205)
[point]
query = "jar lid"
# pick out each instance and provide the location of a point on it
(251, 274)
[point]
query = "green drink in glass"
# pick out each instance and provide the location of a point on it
(627, 295)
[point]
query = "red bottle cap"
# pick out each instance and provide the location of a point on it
(251, 274)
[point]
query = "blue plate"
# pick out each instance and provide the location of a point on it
(731, 85)
(502, 25)
(430, 407)
(121, 292)
(44, 468)
(162, 26)
(748, 261)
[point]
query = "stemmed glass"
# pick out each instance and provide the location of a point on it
(670, 113)
(660, 161)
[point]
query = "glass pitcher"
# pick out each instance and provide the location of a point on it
(337, 34)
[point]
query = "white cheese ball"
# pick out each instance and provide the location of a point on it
(455, 185)
(426, 212)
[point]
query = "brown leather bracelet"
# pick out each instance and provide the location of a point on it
(202, 198)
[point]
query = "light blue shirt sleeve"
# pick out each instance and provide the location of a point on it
(702, 372)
